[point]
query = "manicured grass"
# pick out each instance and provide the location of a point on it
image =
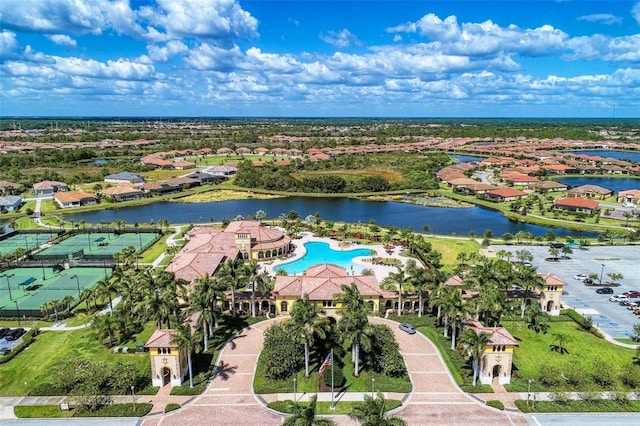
(33, 366)
(155, 250)
(495, 403)
(53, 411)
(450, 248)
(584, 348)
(323, 408)
(579, 406)
(171, 407)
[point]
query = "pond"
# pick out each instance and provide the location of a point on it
(444, 221)
(467, 158)
(608, 153)
(614, 184)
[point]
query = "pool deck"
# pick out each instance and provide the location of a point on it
(380, 271)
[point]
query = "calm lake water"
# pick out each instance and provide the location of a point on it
(445, 221)
(615, 184)
(467, 158)
(619, 155)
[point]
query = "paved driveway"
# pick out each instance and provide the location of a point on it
(435, 399)
(615, 320)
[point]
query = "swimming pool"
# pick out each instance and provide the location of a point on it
(319, 252)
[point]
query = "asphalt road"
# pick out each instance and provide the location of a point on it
(586, 419)
(613, 319)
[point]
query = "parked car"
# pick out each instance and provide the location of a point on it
(618, 298)
(556, 245)
(604, 290)
(580, 277)
(587, 281)
(632, 306)
(407, 328)
(3, 332)
(15, 334)
(632, 293)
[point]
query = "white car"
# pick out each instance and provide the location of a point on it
(618, 298)
(580, 277)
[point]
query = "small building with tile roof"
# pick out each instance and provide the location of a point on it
(504, 194)
(589, 191)
(124, 177)
(629, 196)
(496, 362)
(168, 363)
(49, 187)
(74, 199)
(123, 192)
(551, 294)
(575, 204)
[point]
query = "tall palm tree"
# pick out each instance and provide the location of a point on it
(187, 341)
(200, 305)
(107, 288)
(475, 344)
(103, 326)
(371, 412)
(354, 325)
(260, 282)
(527, 278)
(236, 275)
(305, 324)
(306, 415)
(396, 281)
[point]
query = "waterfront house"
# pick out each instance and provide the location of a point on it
(10, 203)
(74, 199)
(589, 191)
(629, 196)
(576, 205)
(124, 177)
(123, 192)
(504, 194)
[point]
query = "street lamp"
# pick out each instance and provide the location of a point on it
(601, 272)
(17, 309)
(133, 395)
(529, 389)
(295, 399)
(373, 386)
(44, 277)
(78, 283)
(8, 285)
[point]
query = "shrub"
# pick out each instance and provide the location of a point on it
(630, 376)
(495, 403)
(171, 406)
(590, 396)
(604, 373)
(550, 376)
(338, 376)
(574, 374)
(384, 356)
(621, 397)
(560, 397)
(281, 357)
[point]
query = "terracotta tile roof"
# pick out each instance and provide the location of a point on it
(454, 280)
(506, 192)
(577, 202)
(161, 339)
(73, 197)
(48, 184)
(551, 279)
(189, 266)
(122, 190)
(585, 189)
(498, 335)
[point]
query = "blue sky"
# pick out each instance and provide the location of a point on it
(546, 58)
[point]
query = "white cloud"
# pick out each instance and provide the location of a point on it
(63, 40)
(169, 50)
(601, 47)
(212, 57)
(8, 45)
(635, 12)
(603, 18)
(341, 39)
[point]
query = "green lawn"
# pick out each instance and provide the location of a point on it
(33, 365)
(155, 250)
(450, 248)
(583, 348)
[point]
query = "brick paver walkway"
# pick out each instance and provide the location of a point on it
(435, 399)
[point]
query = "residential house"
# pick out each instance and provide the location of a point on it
(159, 188)
(576, 205)
(123, 192)
(49, 187)
(10, 188)
(183, 165)
(504, 194)
(124, 177)
(205, 178)
(589, 191)
(549, 186)
(10, 203)
(74, 199)
(629, 196)
(221, 170)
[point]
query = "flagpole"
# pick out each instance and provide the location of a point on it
(332, 407)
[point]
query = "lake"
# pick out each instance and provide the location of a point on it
(444, 221)
(467, 158)
(618, 155)
(614, 184)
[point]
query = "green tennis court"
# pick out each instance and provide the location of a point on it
(24, 290)
(100, 243)
(25, 241)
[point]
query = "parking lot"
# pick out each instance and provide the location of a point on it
(613, 319)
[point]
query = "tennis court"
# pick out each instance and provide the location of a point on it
(99, 244)
(25, 241)
(24, 290)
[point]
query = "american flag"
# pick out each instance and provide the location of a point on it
(325, 364)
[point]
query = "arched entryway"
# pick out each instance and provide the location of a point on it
(549, 305)
(166, 375)
(496, 370)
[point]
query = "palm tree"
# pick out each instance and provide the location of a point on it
(236, 275)
(106, 288)
(199, 304)
(103, 326)
(529, 280)
(354, 325)
(259, 282)
(475, 344)
(187, 341)
(306, 415)
(395, 281)
(537, 319)
(371, 412)
(163, 224)
(305, 324)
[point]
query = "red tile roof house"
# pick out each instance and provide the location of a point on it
(577, 205)
(504, 194)
(74, 199)
(589, 191)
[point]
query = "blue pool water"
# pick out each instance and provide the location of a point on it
(319, 252)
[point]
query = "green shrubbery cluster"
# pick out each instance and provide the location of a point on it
(281, 356)
(384, 356)
(603, 373)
